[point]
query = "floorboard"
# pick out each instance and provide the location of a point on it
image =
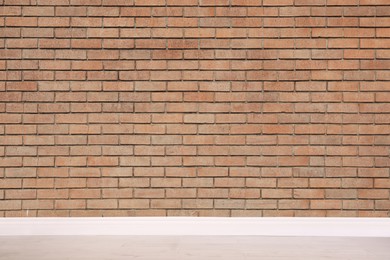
(192, 247)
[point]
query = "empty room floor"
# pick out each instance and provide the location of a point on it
(192, 247)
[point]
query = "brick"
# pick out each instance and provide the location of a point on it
(181, 193)
(86, 43)
(261, 204)
(134, 203)
(326, 204)
(21, 21)
(14, 140)
(38, 140)
(102, 203)
(135, 161)
(11, 204)
(20, 194)
(103, 11)
(11, 11)
(70, 204)
(70, 118)
(53, 22)
(21, 151)
(71, 11)
(293, 204)
(169, 161)
(309, 193)
(231, 203)
(117, 193)
(38, 11)
(165, 203)
(102, 182)
(118, 44)
(103, 32)
(71, 161)
(21, 43)
(148, 3)
(149, 193)
(38, 183)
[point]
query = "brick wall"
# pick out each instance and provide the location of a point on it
(195, 108)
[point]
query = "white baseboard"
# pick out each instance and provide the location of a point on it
(196, 226)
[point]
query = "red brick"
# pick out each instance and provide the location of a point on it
(326, 204)
(11, 10)
(103, 32)
(102, 203)
(213, 193)
(21, 21)
(103, 11)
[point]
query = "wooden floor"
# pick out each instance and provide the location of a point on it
(192, 247)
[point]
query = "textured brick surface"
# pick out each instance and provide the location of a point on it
(195, 108)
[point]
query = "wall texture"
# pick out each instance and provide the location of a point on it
(195, 108)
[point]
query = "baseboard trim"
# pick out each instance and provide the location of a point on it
(183, 226)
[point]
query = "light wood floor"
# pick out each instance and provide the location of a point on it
(192, 247)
